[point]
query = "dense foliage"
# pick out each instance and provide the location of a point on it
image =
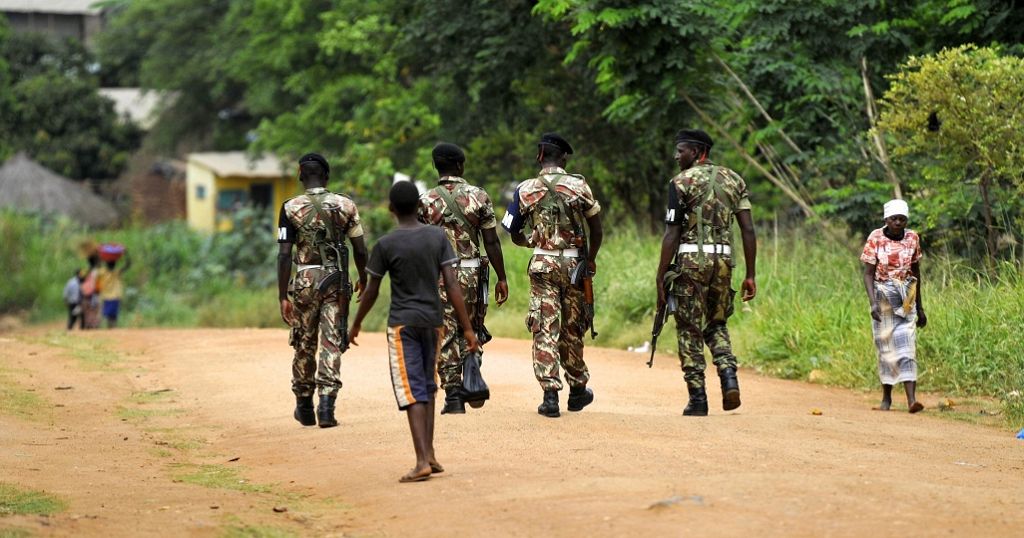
(50, 108)
(787, 88)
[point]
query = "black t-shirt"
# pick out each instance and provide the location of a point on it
(414, 258)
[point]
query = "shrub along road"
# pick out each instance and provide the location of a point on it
(172, 432)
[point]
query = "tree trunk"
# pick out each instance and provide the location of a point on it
(883, 155)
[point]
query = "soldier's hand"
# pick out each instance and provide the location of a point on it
(472, 344)
(353, 332)
(287, 312)
(592, 267)
(749, 288)
(501, 292)
(922, 319)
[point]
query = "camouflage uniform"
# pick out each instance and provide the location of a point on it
(556, 306)
(479, 211)
(316, 314)
(703, 284)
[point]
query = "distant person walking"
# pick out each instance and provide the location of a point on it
(73, 298)
(90, 293)
(892, 279)
(416, 257)
(111, 289)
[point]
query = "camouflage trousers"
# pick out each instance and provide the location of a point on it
(555, 319)
(453, 344)
(705, 304)
(317, 319)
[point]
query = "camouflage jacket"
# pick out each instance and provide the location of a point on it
(299, 223)
(476, 206)
(577, 197)
(691, 191)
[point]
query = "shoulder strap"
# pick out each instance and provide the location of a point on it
(562, 207)
(711, 192)
(455, 209)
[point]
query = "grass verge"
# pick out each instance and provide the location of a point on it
(17, 401)
(19, 501)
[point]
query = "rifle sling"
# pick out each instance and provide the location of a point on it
(456, 209)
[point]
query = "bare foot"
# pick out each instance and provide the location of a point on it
(417, 474)
(436, 467)
(916, 407)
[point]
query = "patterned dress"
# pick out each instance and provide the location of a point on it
(895, 290)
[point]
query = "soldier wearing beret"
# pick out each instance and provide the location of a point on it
(703, 200)
(547, 214)
(317, 223)
(466, 215)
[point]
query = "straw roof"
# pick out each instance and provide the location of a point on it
(25, 185)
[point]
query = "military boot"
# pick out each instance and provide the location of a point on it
(698, 406)
(730, 389)
(453, 404)
(304, 412)
(579, 397)
(325, 411)
(549, 407)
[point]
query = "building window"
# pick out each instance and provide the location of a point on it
(231, 200)
(200, 192)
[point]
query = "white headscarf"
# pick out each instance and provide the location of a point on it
(896, 207)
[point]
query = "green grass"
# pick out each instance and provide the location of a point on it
(15, 533)
(216, 477)
(17, 401)
(237, 529)
(136, 414)
(18, 501)
(151, 396)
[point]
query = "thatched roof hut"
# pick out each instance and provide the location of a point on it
(27, 186)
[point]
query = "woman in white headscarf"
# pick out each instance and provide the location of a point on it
(892, 278)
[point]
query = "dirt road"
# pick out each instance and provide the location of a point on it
(188, 432)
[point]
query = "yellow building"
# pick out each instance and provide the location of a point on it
(218, 184)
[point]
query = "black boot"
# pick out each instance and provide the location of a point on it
(325, 411)
(549, 407)
(579, 397)
(453, 404)
(698, 406)
(304, 412)
(730, 389)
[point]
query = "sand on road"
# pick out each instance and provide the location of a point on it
(189, 432)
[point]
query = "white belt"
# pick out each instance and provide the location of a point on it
(566, 252)
(303, 267)
(471, 262)
(708, 249)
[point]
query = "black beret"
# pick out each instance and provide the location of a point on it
(694, 136)
(555, 140)
(448, 152)
(315, 158)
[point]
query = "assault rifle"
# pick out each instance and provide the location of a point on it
(582, 277)
(660, 317)
(339, 278)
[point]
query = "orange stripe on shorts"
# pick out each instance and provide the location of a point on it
(401, 365)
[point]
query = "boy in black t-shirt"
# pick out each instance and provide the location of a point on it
(415, 255)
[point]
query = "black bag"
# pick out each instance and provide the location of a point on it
(474, 389)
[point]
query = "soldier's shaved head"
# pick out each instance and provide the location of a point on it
(404, 197)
